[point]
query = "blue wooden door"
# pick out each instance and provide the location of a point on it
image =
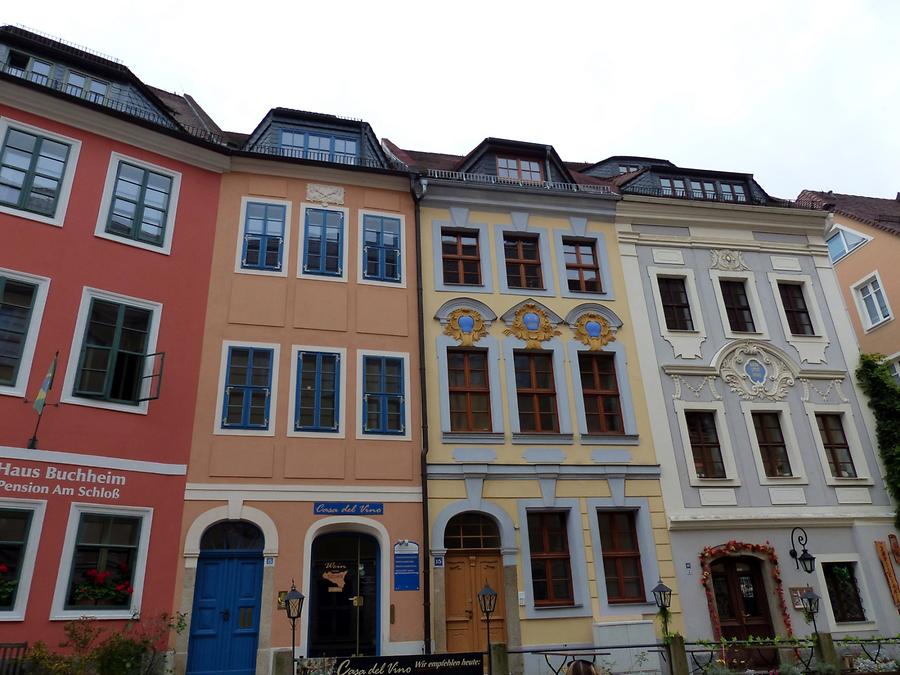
(225, 618)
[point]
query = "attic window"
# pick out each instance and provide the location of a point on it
(628, 168)
(525, 170)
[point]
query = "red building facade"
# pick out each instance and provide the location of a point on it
(107, 214)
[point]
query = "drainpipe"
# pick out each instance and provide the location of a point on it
(417, 187)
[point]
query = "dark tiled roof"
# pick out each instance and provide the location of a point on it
(875, 211)
(187, 111)
(416, 159)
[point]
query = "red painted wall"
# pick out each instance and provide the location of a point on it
(73, 257)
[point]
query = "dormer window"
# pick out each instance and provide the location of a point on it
(320, 147)
(30, 68)
(524, 170)
(628, 168)
(733, 192)
(86, 87)
(672, 187)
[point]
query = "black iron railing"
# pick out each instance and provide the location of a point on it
(756, 654)
(649, 658)
(695, 195)
(12, 657)
(487, 179)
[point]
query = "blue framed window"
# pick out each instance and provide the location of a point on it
(323, 242)
(318, 146)
(318, 392)
(248, 388)
(381, 248)
(263, 236)
(383, 395)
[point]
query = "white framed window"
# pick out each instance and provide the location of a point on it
(843, 241)
(139, 204)
(838, 444)
(247, 396)
(798, 311)
(103, 562)
(678, 309)
(845, 592)
(22, 300)
(871, 301)
(21, 522)
(776, 452)
(264, 236)
(324, 242)
(317, 402)
(382, 248)
(739, 306)
(37, 168)
(383, 410)
(706, 443)
(113, 355)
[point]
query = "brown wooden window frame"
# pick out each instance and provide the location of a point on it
(617, 555)
(673, 310)
(520, 263)
(833, 445)
(520, 172)
(471, 531)
(580, 266)
(536, 393)
(601, 395)
(459, 258)
(546, 557)
(469, 389)
(736, 300)
(796, 310)
(772, 447)
(702, 451)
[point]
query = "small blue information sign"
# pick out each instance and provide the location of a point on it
(406, 566)
(348, 508)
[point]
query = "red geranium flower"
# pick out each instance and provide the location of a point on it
(4, 568)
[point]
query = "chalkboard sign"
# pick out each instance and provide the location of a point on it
(434, 664)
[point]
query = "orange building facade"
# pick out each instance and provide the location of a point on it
(305, 461)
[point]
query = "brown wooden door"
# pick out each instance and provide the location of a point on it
(465, 573)
(743, 605)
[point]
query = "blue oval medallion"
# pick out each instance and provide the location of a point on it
(755, 371)
(466, 323)
(531, 320)
(593, 328)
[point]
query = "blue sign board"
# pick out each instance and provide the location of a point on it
(348, 508)
(406, 566)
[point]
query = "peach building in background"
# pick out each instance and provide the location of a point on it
(305, 458)
(864, 245)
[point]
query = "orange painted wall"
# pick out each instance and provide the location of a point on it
(882, 253)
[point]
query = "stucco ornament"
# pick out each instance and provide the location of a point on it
(593, 330)
(324, 194)
(754, 371)
(728, 260)
(465, 325)
(532, 325)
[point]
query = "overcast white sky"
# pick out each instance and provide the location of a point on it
(802, 94)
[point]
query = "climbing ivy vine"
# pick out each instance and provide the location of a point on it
(875, 379)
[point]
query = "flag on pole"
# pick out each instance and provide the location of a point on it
(41, 397)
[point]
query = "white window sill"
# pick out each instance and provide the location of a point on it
(140, 409)
(99, 615)
(878, 325)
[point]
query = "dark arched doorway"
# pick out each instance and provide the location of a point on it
(344, 595)
(227, 593)
(742, 604)
(473, 559)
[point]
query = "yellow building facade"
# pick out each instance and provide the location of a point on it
(542, 479)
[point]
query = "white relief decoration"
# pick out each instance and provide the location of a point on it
(833, 385)
(728, 260)
(697, 390)
(324, 194)
(754, 371)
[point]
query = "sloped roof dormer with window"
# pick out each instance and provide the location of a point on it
(75, 72)
(317, 137)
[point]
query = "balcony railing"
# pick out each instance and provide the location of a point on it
(318, 155)
(697, 195)
(487, 179)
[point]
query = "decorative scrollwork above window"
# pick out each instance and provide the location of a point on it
(728, 260)
(754, 370)
(594, 331)
(465, 325)
(532, 324)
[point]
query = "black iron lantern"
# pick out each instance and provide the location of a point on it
(293, 607)
(662, 594)
(487, 601)
(810, 601)
(804, 559)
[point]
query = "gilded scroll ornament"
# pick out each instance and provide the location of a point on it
(531, 325)
(593, 330)
(466, 326)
